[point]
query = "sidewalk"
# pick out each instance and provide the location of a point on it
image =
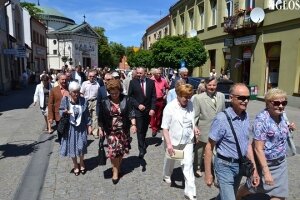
(21, 125)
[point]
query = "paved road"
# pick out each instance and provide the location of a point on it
(22, 141)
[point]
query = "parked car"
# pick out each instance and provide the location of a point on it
(195, 81)
(224, 87)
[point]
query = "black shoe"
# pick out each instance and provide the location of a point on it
(154, 134)
(115, 181)
(141, 155)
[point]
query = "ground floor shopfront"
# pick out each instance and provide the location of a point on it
(267, 58)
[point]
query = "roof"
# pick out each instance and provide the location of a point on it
(83, 28)
(47, 11)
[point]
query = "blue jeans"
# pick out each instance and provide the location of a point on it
(227, 174)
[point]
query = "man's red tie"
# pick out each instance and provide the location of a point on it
(142, 86)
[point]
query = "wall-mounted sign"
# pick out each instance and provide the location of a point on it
(247, 53)
(10, 51)
(228, 42)
(245, 40)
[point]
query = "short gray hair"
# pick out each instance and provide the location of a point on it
(74, 86)
(183, 69)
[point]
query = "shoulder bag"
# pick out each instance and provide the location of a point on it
(64, 122)
(246, 166)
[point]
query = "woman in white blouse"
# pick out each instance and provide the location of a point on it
(179, 131)
(41, 95)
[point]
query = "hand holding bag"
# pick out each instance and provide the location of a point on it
(246, 166)
(178, 155)
(64, 122)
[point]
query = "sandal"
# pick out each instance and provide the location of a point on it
(198, 173)
(82, 170)
(76, 172)
(50, 131)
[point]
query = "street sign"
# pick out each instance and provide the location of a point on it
(10, 51)
(21, 52)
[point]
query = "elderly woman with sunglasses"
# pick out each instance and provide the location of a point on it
(270, 142)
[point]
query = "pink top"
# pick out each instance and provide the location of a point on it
(161, 86)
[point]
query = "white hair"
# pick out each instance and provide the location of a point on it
(183, 69)
(74, 86)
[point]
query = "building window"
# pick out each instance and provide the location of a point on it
(213, 6)
(33, 37)
(41, 40)
(182, 24)
(201, 18)
(166, 31)
(54, 42)
(54, 52)
(249, 4)
(192, 20)
(229, 8)
(149, 38)
(159, 34)
(174, 24)
(154, 35)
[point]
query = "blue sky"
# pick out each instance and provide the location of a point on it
(124, 21)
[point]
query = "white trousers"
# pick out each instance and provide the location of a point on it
(186, 166)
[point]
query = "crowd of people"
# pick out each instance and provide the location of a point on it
(212, 139)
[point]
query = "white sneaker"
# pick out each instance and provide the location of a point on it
(167, 179)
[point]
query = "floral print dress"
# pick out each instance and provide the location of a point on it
(118, 141)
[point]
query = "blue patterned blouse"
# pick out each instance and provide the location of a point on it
(274, 135)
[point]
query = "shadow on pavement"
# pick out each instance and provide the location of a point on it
(128, 165)
(17, 99)
(153, 141)
(18, 148)
(91, 163)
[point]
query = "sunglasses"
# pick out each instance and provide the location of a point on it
(278, 103)
(242, 98)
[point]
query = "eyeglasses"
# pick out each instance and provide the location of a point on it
(278, 103)
(242, 98)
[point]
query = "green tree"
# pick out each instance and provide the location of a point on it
(118, 51)
(141, 58)
(104, 52)
(171, 50)
(32, 9)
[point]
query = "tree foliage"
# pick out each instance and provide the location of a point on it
(141, 58)
(32, 9)
(104, 51)
(171, 50)
(118, 51)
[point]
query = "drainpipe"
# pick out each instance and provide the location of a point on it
(7, 38)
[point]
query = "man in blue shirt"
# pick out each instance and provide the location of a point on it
(226, 161)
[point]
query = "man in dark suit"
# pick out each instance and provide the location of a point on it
(142, 91)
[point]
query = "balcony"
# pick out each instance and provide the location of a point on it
(239, 22)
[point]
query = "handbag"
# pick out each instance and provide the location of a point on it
(64, 122)
(101, 152)
(178, 155)
(246, 166)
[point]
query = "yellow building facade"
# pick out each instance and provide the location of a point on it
(265, 54)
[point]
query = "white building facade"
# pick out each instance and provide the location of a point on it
(69, 44)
